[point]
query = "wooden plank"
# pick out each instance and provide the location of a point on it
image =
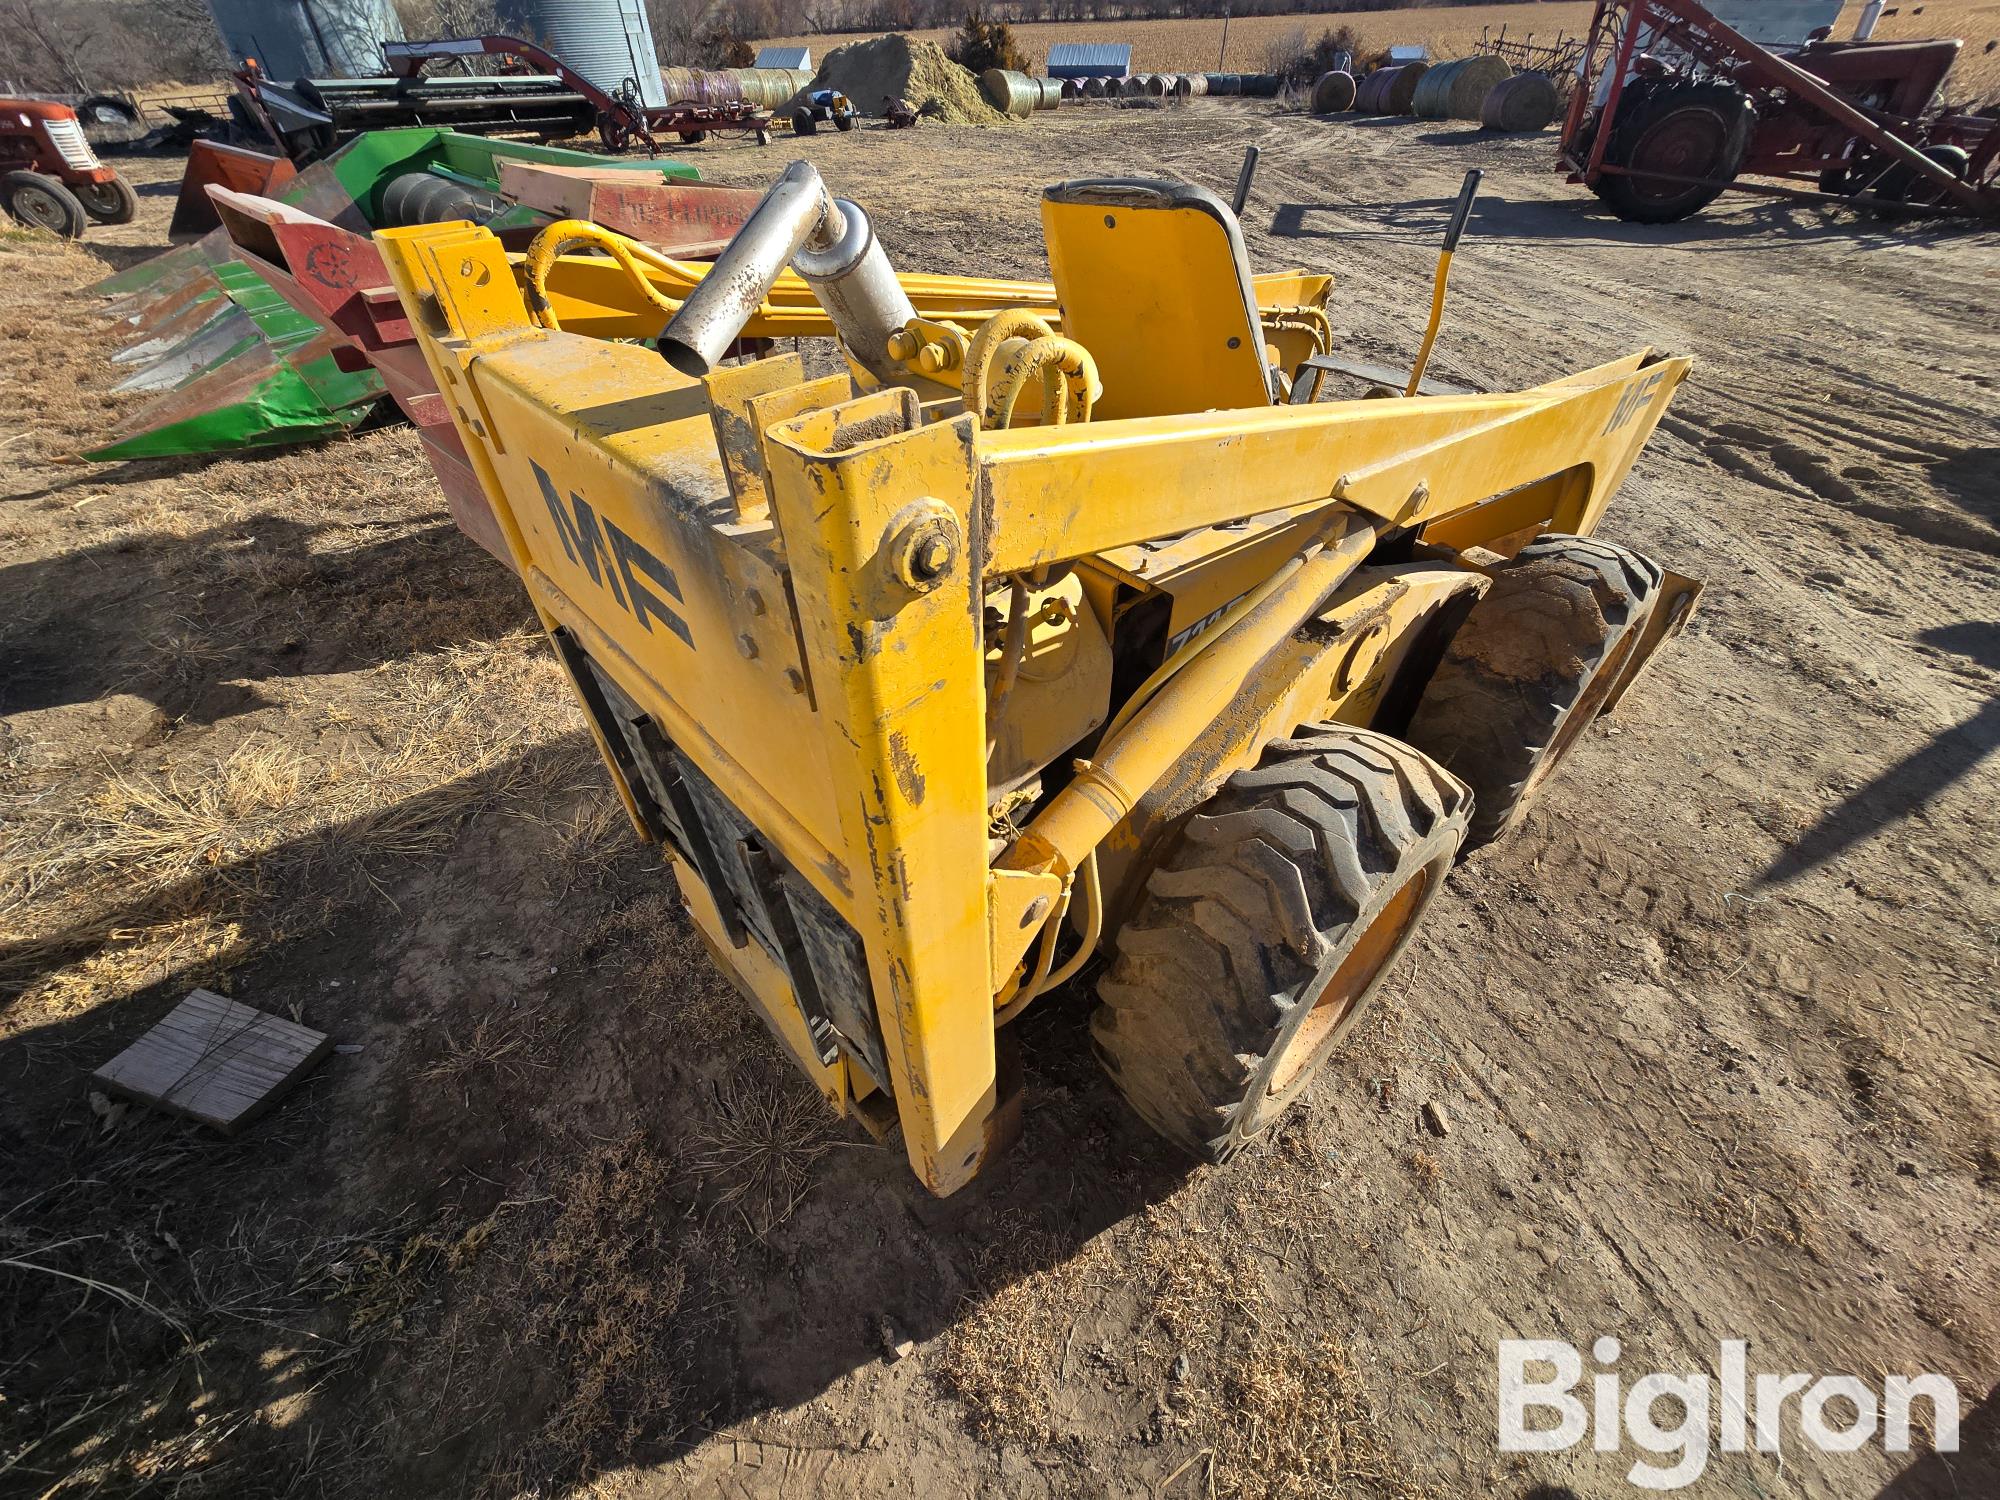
(213, 1060)
(678, 216)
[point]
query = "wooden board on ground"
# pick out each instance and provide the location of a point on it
(215, 1061)
(678, 216)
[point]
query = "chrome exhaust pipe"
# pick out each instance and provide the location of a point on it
(830, 242)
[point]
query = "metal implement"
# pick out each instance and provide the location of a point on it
(926, 673)
(1673, 107)
(1460, 212)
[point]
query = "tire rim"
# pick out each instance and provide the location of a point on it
(101, 196)
(1349, 982)
(1687, 143)
(41, 209)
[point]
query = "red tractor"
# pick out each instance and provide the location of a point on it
(1672, 107)
(53, 179)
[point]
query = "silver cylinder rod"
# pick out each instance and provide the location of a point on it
(853, 280)
(795, 213)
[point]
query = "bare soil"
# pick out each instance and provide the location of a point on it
(1712, 1038)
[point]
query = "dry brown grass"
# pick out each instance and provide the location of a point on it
(1264, 1402)
(757, 1155)
(609, 1283)
(100, 873)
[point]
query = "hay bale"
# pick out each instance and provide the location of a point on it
(1400, 90)
(1455, 90)
(1332, 93)
(1525, 102)
(885, 67)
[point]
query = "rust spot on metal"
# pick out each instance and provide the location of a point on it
(909, 777)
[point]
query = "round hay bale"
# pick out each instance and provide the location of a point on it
(1132, 86)
(1525, 102)
(1094, 88)
(1010, 92)
(1179, 86)
(1225, 84)
(1399, 91)
(1155, 86)
(1473, 81)
(1261, 85)
(1071, 89)
(700, 86)
(1332, 93)
(1048, 92)
(1197, 84)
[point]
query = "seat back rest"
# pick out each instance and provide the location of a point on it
(1154, 282)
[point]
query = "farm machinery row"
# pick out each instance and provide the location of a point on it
(1673, 107)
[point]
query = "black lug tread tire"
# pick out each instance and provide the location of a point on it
(111, 202)
(843, 122)
(693, 137)
(1637, 116)
(803, 122)
(62, 214)
(1270, 886)
(1514, 689)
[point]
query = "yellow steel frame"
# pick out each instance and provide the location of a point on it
(830, 559)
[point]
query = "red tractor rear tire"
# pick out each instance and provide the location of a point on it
(1681, 128)
(43, 203)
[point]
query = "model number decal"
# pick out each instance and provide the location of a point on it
(1635, 400)
(612, 560)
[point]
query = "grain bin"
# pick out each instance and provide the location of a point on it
(1455, 90)
(607, 41)
(1010, 92)
(1527, 101)
(1333, 92)
(291, 41)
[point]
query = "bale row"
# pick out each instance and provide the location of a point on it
(1456, 90)
(1389, 91)
(1526, 101)
(1160, 86)
(1333, 92)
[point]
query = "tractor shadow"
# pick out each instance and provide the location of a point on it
(1973, 1470)
(1736, 224)
(514, 1054)
(188, 621)
(1916, 780)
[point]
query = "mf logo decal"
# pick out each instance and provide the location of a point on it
(613, 560)
(1635, 400)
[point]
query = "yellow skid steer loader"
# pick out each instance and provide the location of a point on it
(1036, 634)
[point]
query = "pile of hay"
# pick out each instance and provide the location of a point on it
(873, 71)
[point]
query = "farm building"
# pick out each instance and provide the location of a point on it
(1090, 60)
(785, 57)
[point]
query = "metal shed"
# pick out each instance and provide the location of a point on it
(1090, 60)
(785, 57)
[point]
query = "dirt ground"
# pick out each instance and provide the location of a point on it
(1713, 1036)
